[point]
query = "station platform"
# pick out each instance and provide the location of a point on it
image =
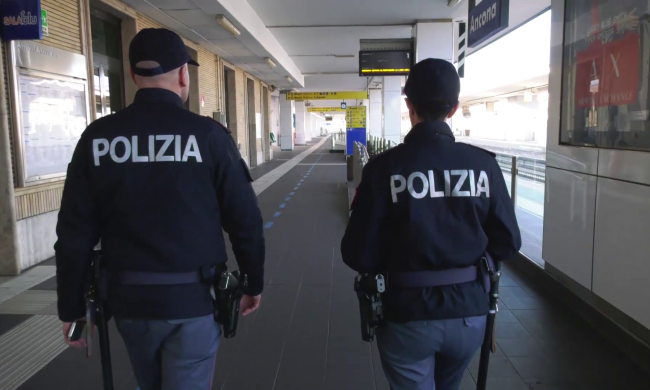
(306, 334)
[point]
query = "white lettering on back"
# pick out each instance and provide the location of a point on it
(134, 151)
(102, 147)
(399, 183)
(192, 150)
(161, 153)
(460, 183)
(394, 190)
(127, 149)
(483, 185)
(425, 185)
(432, 187)
(99, 153)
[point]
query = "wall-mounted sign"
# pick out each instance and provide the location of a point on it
(488, 18)
(343, 106)
(356, 127)
(21, 20)
(299, 96)
(44, 24)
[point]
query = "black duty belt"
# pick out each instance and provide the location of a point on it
(422, 279)
(142, 278)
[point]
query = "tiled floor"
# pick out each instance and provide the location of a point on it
(306, 334)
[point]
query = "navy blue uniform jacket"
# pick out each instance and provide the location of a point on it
(431, 204)
(158, 185)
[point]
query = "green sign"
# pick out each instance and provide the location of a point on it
(44, 22)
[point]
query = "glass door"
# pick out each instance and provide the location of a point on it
(107, 61)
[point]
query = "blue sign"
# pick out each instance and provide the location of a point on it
(358, 135)
(488, 18)
(21, 20)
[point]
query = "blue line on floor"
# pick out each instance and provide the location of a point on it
(287, 199)
(283, 205)
(277, 214)
(295, 188)
(292, 194)
(268, 225)
(299, 184)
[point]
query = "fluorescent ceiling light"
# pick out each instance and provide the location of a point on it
(227, 24)
(452, 3)
(270, 62)
(289, 79)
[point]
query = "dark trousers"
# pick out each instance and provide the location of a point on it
(429, 355)
(172, 354)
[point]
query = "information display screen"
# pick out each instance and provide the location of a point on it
(385, 63)
(605, 95)
(53, 118)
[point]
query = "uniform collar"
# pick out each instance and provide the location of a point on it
(429, 130)
(156, 95)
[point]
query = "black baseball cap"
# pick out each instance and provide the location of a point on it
(433, 82)
(160, 45)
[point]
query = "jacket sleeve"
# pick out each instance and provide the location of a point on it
(78, 232)
(361, 244)
(241, 216)
(504, 238)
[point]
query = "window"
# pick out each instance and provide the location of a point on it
(606, 74)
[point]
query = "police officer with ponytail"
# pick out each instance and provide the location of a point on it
(427, 215)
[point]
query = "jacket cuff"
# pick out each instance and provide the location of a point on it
(70, 313)
(255, 287)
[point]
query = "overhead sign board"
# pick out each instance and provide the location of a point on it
(21, 20)
(327, 95)
(325, 109)
(487, 19)
(385, 63)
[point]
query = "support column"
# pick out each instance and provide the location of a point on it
(392, 95)
(9, 262)
(375, 106)
(286, 122)
(308, 126)
(300, 123)
(434, 40)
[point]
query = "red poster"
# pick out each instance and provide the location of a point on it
(607, 71)
(608, 74)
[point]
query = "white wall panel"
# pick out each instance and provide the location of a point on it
(625, 165)
(622, 247)
(36, 238)
(569, 207)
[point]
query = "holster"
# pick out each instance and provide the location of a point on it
(369, 289)
(99, 285)
(229, 288)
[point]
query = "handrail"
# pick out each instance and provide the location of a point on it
(377, 145)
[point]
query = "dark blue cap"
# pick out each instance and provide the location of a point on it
(160, 45)
(433, 82)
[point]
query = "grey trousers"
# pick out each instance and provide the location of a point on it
(172, 354)
(429, 355)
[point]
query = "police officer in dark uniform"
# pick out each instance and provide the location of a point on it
(158, 185)
(425, 214)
